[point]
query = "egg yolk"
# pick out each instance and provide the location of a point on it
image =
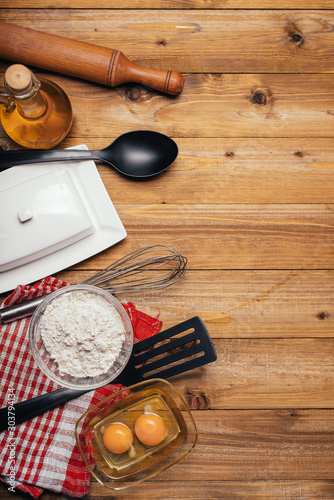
(150, 429)
(117, 438)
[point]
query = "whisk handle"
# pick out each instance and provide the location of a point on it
(19, 311)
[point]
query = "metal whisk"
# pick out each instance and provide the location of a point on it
(149, 268)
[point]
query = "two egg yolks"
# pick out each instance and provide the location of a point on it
(150, 429)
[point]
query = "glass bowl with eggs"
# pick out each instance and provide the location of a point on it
(135, 434)
(81, 337)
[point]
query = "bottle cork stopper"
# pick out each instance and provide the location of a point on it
(18, 77)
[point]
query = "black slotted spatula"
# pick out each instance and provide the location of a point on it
(178, 349)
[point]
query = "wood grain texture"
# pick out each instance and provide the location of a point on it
(170, 4)
(285, 439)
(190, 41)
(233, 171)
(233, 236)
(298, 490)
(218, 106)
(266, 373)
(276, 446)
(210, 106)
(249, 201)
(227, 171)
(302, 490)
(240, 304)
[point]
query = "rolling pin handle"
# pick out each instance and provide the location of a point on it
(169, 82)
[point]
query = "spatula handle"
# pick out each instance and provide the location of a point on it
(81, 59)
(33, 407)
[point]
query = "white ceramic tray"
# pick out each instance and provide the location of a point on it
(54, 215)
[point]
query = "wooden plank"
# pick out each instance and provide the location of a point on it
(299, 490)
(224, 489)
(264, 444)
(230, 41)
(210, 106)
(265, 373)
(169, 4)
(228, 170)
(302, 490)
(278, 446)
(240, 304)
(233, 236)
(242, 446)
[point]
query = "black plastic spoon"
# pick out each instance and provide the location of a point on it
(141, 153)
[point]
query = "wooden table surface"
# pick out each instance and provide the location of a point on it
(249, 201)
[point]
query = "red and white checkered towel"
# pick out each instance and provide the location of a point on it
(42, 453)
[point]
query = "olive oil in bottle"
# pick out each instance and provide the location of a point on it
(35, 113)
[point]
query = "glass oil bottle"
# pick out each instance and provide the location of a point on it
(35, 113)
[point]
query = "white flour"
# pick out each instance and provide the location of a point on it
(83, 333)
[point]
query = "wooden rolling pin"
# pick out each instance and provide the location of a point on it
(80, 59)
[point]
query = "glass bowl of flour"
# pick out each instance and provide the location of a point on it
(81, 337)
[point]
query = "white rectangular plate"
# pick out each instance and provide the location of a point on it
(108, 228)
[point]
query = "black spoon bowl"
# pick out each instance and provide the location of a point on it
(140, 153)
